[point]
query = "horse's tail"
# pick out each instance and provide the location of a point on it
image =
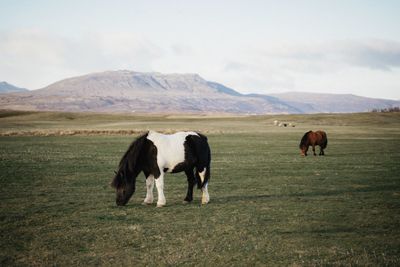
(206, 162)
(203, 155)
(325, 144)
(208, 170)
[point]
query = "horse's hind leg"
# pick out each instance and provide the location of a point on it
(204, 175)
(321, 151)
(313, 149)
(190, 180)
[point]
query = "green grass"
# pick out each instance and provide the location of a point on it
(269, 205)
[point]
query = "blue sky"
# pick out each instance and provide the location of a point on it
(251, 46)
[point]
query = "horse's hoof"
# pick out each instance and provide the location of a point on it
(204, 202)
(188, 199)
(160, 205)
(186, 202)
(146, 203)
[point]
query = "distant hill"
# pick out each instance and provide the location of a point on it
(129, 91)
(328, 103)
(9, 88)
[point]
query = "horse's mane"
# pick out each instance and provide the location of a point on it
(128, 161)
(304, 139)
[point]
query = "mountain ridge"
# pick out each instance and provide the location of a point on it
(329, 103)
(6, 88)
(154, 92)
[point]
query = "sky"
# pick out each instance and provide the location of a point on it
(338, 46)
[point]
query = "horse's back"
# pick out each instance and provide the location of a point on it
(323, 138)
(170, 147)
(322, 133)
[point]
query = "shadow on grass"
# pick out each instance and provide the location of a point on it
(322, 231)
(312, 194)
(242, 197)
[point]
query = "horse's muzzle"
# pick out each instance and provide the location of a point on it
(121, 202)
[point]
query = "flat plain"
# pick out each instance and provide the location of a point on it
(269, 206)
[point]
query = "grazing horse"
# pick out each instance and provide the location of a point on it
(313, 139)
(156, 154)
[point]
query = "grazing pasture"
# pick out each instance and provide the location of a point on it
(268, 205)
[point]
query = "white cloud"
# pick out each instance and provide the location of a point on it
(34, 58)
(366, 67)
(27, 57)
(332, 56)
(373, 54)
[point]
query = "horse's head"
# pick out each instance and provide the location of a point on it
(303, 150)
(129, 168)
(304, 144)
(124, 188)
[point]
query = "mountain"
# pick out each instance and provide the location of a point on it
(129, 91)
(9, 88)
(339, 103)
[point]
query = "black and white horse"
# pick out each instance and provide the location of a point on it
(156, 154)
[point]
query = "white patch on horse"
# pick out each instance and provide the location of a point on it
(203, 175)
(170, 148)
(205, 198)
(149, 187)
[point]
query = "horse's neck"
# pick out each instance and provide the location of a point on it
(132, 169)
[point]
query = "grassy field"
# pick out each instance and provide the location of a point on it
(269, 206)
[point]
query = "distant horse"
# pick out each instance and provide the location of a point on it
(156, 154)
(313, 139)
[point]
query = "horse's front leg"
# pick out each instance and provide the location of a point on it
(190, 180)
(149, 186)
(160, 190)
(313, 149)
(321, 151)
(305, 151)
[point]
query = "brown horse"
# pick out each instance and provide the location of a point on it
(313, 139)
